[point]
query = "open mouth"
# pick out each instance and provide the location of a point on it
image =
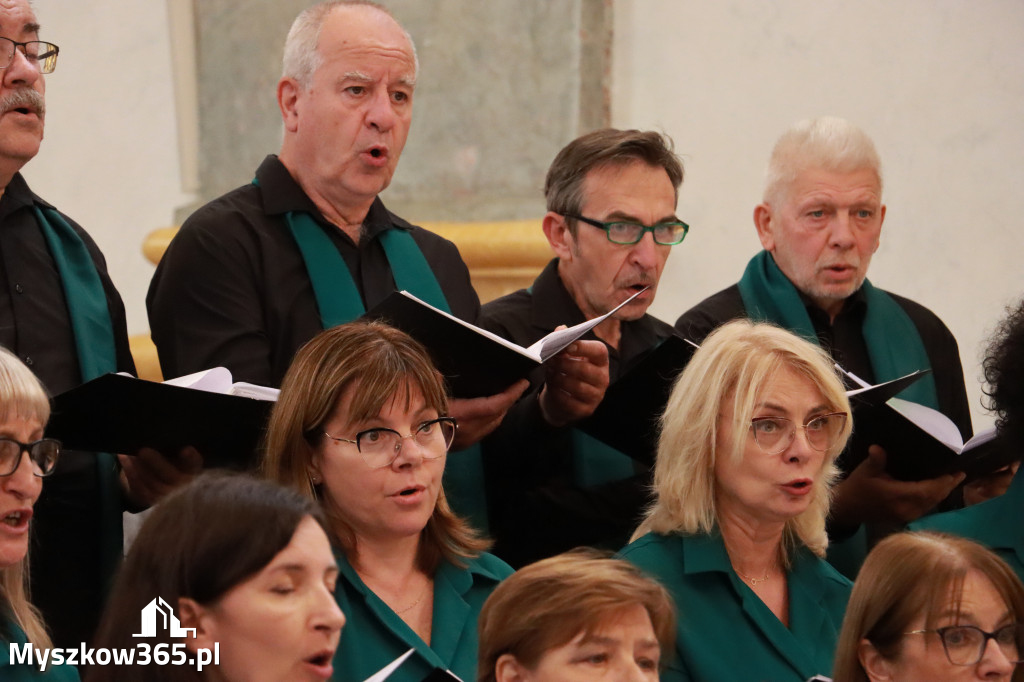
(321, 659)
(800, 486)
(409, 491)
(16, 519)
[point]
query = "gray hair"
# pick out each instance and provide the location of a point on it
(829, 143)
(301, 57)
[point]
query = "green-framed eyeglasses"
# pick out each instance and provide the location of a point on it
(623, 232)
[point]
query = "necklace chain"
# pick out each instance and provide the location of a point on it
(754, 582)
(418, 600)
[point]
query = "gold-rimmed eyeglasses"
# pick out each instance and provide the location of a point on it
(39, 53)
(776, 434)
(380, 447)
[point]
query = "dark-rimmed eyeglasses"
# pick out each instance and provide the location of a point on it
(965, 644)
(380, 447)
(39, 54)
(621, 232)
(776, 434)
(43, 454)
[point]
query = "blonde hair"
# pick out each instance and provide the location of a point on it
(829, 143)
(909, 574)
(547, 604)
(21, 397)
(735, 363)
(374, 363)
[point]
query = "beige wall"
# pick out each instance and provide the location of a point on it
(110, 155)
(935, 82)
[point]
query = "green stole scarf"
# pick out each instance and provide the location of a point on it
(337, 296)
(339, 301)
(894, 345)
(97, 355)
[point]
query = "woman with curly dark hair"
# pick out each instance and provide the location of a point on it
(996, 523)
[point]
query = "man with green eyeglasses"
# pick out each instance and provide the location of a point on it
(611, 222)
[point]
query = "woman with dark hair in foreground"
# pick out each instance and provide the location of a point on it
(245, 563)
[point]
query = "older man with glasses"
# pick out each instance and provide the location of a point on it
(611, 222)
(61, 315)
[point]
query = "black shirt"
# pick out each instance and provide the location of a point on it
(68, 581)
(232, 289)
(536, 507)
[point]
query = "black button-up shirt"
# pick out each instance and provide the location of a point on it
(232, 289)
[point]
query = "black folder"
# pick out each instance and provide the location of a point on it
(120, 414)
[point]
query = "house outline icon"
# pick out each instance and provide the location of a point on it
(160, 610)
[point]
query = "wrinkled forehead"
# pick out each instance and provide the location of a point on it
(17, 18)
(367, 33)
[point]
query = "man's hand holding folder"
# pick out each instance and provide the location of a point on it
(574, 382)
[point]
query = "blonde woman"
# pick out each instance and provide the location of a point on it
(737, 530)
(25, 458)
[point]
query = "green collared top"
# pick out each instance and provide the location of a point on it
(725, 631)
(995, 523)
(374, 635)
(10, 633)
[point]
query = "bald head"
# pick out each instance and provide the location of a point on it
(301, 55)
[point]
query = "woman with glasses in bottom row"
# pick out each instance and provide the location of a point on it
(360, 425)
(928, 606)
(737, 531)
(25, 457)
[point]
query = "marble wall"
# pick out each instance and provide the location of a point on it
(486, 68)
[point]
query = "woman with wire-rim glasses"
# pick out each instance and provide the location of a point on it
(25, 458)
(745, 462)
(361, 424)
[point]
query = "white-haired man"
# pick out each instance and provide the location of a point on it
(820, 222)
(256, 273)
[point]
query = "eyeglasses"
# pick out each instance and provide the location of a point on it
(965, 644)
(41, 55)
(43, 454)
(668, 234)
(775, 434)
(380, 447)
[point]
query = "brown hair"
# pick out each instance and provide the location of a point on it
(908, 574)
(381, 362)
(546, 604)
(563, 187)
